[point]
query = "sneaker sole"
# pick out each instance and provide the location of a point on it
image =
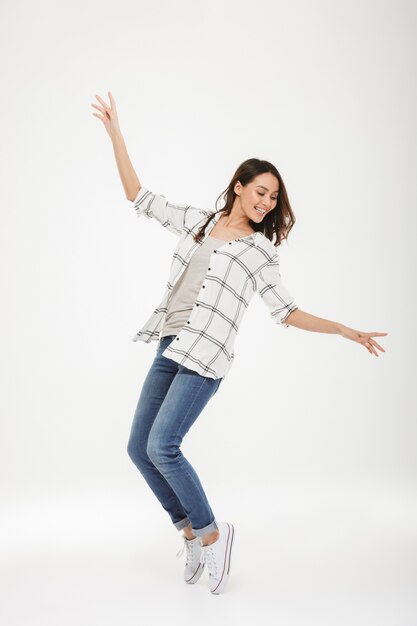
(227, 562)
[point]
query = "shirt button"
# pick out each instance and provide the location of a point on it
(188, 322)
(209, 268)
(197, 304)
(230, 243)
(177, 338)
(204, 286)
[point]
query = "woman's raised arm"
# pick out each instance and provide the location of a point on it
(108, 115)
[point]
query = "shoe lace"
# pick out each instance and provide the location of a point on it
(207, 556)
(189, 545)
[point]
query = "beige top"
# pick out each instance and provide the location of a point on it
(185, 291)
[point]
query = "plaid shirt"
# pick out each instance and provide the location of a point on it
(237, 270)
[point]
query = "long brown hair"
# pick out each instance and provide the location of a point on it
(277, 222)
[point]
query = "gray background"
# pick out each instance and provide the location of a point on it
(309, 446)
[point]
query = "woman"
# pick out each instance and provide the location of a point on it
(221, 259)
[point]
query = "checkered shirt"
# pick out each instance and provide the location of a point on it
(237, 270)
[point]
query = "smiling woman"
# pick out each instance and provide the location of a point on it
(222, 258)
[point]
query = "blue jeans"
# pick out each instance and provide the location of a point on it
(171, 399)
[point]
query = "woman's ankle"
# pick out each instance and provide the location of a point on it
(188, 533)
(210, 538)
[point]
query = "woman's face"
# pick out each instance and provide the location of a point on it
(262, 193)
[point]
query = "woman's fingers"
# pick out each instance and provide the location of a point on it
(97, 107)
(371, 344)
(377, 345)
(112, 101)
(371, 349)
(107, 108)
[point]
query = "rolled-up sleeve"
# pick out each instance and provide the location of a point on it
(170, 215)
(273, 292)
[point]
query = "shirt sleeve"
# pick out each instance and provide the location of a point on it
(170, 215)
(274, 294)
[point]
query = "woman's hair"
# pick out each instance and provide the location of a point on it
(279, 221)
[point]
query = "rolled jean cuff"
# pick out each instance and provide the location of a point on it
(182, 523)
(199, 532)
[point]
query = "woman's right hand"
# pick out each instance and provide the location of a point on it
(108, 115)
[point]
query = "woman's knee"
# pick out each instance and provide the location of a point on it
(137, 451)
(157, 450)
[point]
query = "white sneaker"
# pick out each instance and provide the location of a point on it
(217, 555)
(193, 567)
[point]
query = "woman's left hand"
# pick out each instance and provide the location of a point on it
(365, 339)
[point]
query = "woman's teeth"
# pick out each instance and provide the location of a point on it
(260, 211)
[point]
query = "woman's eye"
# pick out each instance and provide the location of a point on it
(262, 194)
